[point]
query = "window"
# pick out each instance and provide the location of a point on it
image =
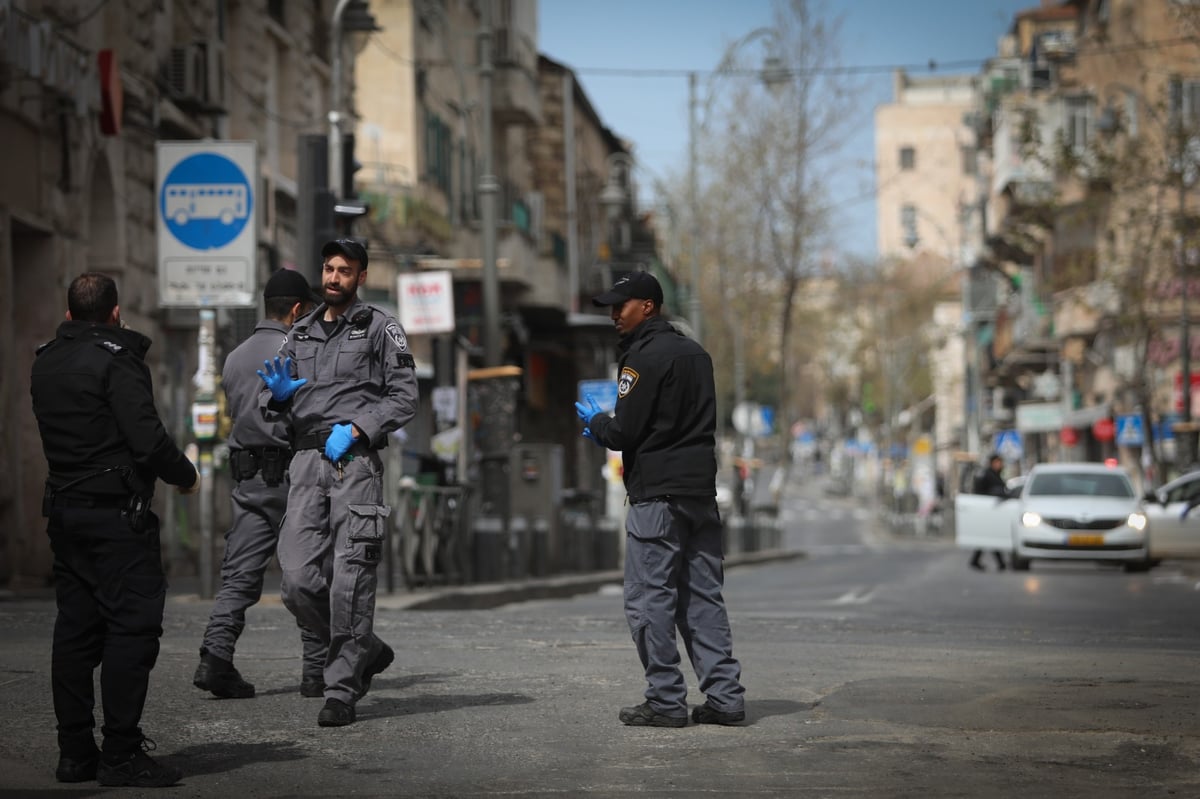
(908, 158)
(438, 153)
(908, 224)
(1080, 123)
(1185, 102)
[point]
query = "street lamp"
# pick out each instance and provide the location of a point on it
(348, 16)
(773, 75)
(618, 191)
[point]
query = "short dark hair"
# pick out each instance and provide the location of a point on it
(278, 307)
(92, 297)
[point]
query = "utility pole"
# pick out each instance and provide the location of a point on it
(488, 187)
(694, 294)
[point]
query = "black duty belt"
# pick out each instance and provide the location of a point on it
(106, 501)
(314, 440)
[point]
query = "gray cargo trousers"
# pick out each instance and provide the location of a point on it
(330, 545)
(249, 545)
(673, 579)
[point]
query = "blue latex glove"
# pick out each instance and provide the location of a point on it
(585, 412)
(278, 378)
(587, 433)
(339, 441)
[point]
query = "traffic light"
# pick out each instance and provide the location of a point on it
(315, 212)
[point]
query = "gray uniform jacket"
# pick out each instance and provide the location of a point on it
(242, 386)
(363, 374)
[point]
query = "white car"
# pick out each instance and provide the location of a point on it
(1173, 512)
(1064, 511)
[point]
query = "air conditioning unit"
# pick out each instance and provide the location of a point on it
(195, 75)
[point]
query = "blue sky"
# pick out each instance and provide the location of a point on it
(681, 35)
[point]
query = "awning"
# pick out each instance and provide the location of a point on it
(1086, 417)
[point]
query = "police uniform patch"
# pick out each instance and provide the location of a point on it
(396, 334)
(111, 346)
(356, 333)
(626, 382)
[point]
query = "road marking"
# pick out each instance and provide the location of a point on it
(855, 596)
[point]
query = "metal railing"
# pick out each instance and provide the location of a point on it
(427, 541)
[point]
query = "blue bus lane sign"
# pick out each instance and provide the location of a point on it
(207, 239)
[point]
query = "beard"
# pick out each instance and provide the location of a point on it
(337, 297)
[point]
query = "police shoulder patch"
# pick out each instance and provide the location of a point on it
(625, 383)
(396, 334)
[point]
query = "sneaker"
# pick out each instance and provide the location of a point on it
(707, 714)
(72, 769)
(312, 687)
(217, 675)
(136, 769)
(335, 714)
(376, 666)
(645, 716)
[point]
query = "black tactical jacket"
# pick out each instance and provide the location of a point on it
(666, 415)
(94, 404)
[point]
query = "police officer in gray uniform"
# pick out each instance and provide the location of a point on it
(345, 379)
(664, 425)
(259, 452)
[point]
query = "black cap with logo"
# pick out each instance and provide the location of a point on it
(351, 249)
(635, 285)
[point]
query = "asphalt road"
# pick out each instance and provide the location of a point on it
(874, 666)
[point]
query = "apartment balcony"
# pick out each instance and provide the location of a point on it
(515, 98)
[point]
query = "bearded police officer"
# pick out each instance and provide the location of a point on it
(105, 446)
(345, 379)
(259, 452)
(664, 425)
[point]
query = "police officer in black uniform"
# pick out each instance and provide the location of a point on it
(990, 481)
(105, 446)
(259, 453)
(664, 425)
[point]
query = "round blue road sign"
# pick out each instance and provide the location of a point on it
(206, 201)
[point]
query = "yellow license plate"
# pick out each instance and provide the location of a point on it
(1085, 540)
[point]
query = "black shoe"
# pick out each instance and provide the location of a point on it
(645, 716)
(975, 562)
(218, 675)
(136, 769)
(376, 666)
(335, 714)
(707, 714)
(312, 687)
(81, 769)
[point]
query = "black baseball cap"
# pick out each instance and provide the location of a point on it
(635, 285)
(289, 283)
(351, 249)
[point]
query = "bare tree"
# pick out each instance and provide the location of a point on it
(768, 176)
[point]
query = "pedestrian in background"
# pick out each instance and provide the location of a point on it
(990, 481)
(259, 453)
(345, 381)
(664, 425)
(105, 446)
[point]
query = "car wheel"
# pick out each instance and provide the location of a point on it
(1019, 564)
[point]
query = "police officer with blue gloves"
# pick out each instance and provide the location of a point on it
(105, 446)
(345, 380)
(664, 425)
(259, 453)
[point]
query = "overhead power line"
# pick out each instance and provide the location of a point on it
(932, 65)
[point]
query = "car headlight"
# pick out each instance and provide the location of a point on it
(1030, 519)
(1137, 521)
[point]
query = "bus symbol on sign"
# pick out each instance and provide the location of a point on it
(206, 201)
(225, 202)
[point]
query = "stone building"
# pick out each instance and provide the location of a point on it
(86, 91)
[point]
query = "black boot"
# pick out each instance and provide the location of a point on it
(976, 563)
(220, 677)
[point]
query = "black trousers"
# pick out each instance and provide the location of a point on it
(111, 590)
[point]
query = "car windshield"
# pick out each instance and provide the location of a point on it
(1083, 484)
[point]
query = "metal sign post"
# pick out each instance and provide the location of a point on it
(207, 245)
